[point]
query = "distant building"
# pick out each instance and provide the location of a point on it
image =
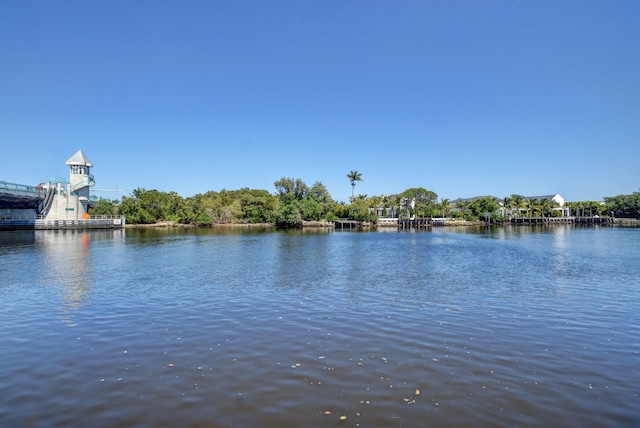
(506, 211)
(387, 211)
(552, 198)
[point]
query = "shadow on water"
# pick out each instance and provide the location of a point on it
(15, 238)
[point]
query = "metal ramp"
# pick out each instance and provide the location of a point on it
(47, 202)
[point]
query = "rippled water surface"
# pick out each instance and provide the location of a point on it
(248, 328)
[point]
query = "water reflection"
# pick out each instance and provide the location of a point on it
(560, 234)
(300, 259)
(67, 266)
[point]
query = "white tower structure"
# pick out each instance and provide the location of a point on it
(73, 202)
(80, 179)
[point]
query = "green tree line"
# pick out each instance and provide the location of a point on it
(294, 202)
(626, 206)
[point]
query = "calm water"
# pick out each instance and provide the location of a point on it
(198, 328)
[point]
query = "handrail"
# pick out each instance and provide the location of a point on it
(20, 189)
(96, 222)
(89, 181)
(16, 217)
(43, 217)
(91, 217)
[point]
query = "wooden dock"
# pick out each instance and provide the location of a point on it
(426, 223)
(347, 224)
(416, 223)
(561, 220)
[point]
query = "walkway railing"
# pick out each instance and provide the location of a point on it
(8, 222)
(20, 189)
(89, 181)
(42, 217)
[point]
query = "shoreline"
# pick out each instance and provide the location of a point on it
(618, 222)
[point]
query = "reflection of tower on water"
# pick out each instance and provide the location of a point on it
(67, 265)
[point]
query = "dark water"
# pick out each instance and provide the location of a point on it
(515, 327)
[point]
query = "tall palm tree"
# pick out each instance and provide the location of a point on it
(374, 203)
(517, 202)
(354, 176)
(445, 206)
(506, 205)
(391, 202)
(532, 205)
(545, 207)
(462, 207)
(578, 208)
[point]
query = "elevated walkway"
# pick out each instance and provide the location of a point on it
(20, 196)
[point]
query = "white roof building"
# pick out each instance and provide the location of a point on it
(79, 159)
(553, 198)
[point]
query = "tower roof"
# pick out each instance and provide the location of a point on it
(79, 159)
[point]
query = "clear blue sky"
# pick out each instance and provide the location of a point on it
(464, 98)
